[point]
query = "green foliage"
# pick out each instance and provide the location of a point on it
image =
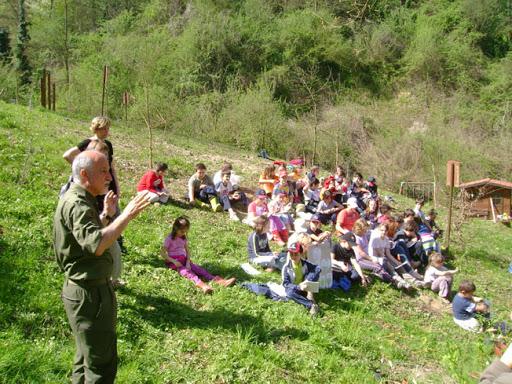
(203, 64)
(252, 121)
(22, 61)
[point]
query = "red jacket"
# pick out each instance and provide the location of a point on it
(152, 182)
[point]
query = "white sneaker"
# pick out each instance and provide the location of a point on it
(403, 284)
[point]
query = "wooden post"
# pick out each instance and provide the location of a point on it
(126, 97)
(103, 92)
(452, 180)
(49, 90)
(148, 124)
(43, 89)
(53, 97)
(494, 218)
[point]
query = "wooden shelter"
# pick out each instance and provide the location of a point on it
(481, 196)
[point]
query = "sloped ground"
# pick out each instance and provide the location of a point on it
(168, 331)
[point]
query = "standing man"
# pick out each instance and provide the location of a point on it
(82, 237)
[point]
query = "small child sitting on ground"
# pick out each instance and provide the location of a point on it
(315, 231)
(344, 263)
(465, 306)
(296, 272)
(439, 277)
(257, 208)
(228, 194)
(153, 182)
(431, 221)
(176, 255)
(201, 190)
(312, 195)
(259, 249)
(328, 209)
(278, 228)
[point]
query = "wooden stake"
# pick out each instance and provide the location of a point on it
(53, 97)
(494, 219)
(43, 89)
(126, 97)
(449, 227)
(103, 92)
(48, 90)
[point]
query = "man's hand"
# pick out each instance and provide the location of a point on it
(110, 204)
(302, 286)
(364, 281)
(137, 205)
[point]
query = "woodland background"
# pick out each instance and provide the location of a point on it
(391, 87)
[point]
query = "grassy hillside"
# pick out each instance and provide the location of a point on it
(169, 332)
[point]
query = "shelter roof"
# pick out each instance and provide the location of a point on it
(485, 182)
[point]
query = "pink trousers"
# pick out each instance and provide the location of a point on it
(193, 273)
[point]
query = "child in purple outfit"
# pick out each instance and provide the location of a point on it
(176, 254)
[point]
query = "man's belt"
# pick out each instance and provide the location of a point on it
(89, 283)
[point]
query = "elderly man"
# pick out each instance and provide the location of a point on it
(82, 237)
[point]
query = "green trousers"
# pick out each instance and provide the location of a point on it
(92, 311)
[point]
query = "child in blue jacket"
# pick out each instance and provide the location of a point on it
(295, 272)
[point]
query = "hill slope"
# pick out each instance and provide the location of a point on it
(168, 331)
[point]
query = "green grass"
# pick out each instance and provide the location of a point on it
(169, 332)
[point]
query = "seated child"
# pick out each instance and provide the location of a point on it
(384, 215)
(268, 180)
(153, 182)
(328, 209)
(277, 227)
(439, 277)
(259, 249)
(228, 194)
(370, 263)
(431, 222)
(176, 254)
(315, 231)
(371, 213)
(257, 208)
(283, 206)
(312, 195)
(347, 217)
(234, 178)
(295, 272)
(371, 187)
(428, 242)
(314, 173)
(379, 247)
(418, 210)
(201, 187)
(465, 306)
(358, 191)
(344, 262)
(406, 245)
(284, 185)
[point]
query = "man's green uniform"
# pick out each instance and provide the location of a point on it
(87, 294)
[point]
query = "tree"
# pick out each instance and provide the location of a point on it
(5, 49)
(22, 63)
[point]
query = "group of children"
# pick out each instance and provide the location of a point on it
(363, 235)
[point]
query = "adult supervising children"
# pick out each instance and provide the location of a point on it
(82, 237)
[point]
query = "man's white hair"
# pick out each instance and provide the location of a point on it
(82, 161)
